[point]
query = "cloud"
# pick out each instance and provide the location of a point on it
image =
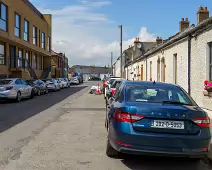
(88, 37)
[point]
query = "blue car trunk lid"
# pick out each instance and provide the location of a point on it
(166, 118)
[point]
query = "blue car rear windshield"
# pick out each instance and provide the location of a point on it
(156, 94)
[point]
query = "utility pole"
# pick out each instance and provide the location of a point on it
(120, 26)
(112, 63)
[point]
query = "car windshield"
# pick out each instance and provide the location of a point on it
(160, 94)
(3, 82)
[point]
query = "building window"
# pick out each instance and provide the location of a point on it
(39, 39)
(150, 70)
(49, 44)
(3, 16)
(26, 30)
(20, 58)
(35, 36)
(175, 69)
(27, 59)
(35, 58)
(41, 62)
(210, 64)
(17, 25)
(43, 40)
(2, 54)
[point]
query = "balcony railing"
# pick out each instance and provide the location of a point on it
(16, 63)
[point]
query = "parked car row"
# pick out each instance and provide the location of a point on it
(154, 118)
(18, 89)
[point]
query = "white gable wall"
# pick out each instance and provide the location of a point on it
(117, 68)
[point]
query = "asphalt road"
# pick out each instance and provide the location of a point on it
(77, 141)
(12, 113)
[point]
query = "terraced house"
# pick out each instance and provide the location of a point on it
(59, 65)
(25, 40)
(184, 59)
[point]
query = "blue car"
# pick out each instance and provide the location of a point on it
(151, 118)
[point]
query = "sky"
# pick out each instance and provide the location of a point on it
(87, 30)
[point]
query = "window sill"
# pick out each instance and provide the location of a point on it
(4, 30)
(17, 36)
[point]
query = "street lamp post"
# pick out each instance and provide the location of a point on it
(120, 26)
(112, 63)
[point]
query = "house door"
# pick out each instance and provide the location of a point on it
(142, 72)
(12, 56)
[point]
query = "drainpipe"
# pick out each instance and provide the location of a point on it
(146, 68)
(189, 64)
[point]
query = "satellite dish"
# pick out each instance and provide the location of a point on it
(139, 45)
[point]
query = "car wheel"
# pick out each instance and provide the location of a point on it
(110, 151)
(46, 91)
(32, 94)
(39, 93)
(18, 97)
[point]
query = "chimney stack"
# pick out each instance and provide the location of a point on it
(184, 24)
(159, 40)
(137, 40)
(203, 14)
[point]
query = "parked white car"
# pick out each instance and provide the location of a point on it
(110, 82)
(74, 80)
(64, 83)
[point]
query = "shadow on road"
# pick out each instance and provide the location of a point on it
(13, 113)
(161, 163)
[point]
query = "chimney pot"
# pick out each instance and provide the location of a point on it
(200, 8)
(203, 14)
(184, 24)
(159, 40)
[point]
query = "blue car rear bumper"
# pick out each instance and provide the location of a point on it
(158, 151)
(158, 144)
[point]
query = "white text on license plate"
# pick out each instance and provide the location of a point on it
(167, 124)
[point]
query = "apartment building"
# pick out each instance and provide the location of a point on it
(25, 40)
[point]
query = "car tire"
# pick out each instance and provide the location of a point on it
(18, 97)
(195, 160)
(46, 91)
(110, 151)
(32, 94)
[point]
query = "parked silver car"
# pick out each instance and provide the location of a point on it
(52, 84)
(15, 88)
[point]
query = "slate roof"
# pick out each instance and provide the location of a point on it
(90, 69)
(180, 35)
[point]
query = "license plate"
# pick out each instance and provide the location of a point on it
(167, 124)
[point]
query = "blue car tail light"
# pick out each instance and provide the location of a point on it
(126, 117)
(202, 122)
